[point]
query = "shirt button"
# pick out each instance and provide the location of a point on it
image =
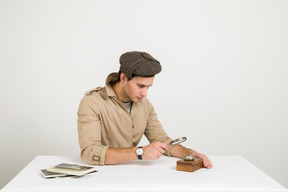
(133, 126)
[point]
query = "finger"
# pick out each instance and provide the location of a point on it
(207, 164)
(159, 155)
(163, 145)
(210, 165)
(161, 150)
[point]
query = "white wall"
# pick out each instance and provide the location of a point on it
(223, 84)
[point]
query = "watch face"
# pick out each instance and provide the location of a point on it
(139, 151)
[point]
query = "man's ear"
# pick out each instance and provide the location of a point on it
(123, 78)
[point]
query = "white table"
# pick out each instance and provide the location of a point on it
(230, 173)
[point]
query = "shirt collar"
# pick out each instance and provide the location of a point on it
(109, 90)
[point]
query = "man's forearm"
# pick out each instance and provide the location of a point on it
(116, 156)
(120, 155)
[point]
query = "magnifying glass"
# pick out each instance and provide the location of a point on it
(178, 141)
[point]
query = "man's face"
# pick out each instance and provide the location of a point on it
(137, 88)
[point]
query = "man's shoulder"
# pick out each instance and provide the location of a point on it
(94, 97)
(94, 90)
(98, 93)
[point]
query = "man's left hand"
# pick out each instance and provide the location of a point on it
(206, 162)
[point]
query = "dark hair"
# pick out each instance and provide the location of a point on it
(130, 78)
(118, 78)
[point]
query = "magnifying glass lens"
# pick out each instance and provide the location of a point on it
(178, 141)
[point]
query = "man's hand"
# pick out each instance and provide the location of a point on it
(206, 161)
(181, 152)
(154, 150)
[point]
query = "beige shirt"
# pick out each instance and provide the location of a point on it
(103, 122)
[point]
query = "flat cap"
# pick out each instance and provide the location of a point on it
(139, 63)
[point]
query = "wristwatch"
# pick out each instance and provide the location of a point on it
(139, 152)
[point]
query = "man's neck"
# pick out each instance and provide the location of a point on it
(119, 93)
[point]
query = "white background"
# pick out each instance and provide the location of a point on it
(224, 83)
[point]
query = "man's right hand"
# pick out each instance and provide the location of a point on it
(154, 150)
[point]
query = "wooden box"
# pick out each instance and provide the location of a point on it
(190, 166)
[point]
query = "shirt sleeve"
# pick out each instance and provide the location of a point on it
(89, 132)
(154, 130)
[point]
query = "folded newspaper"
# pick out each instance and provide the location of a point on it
(66, 169)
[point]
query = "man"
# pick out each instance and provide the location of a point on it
(113, 119)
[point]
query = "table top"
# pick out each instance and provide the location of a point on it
(230, 173)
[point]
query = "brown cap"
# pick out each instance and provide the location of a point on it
(139, 63)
